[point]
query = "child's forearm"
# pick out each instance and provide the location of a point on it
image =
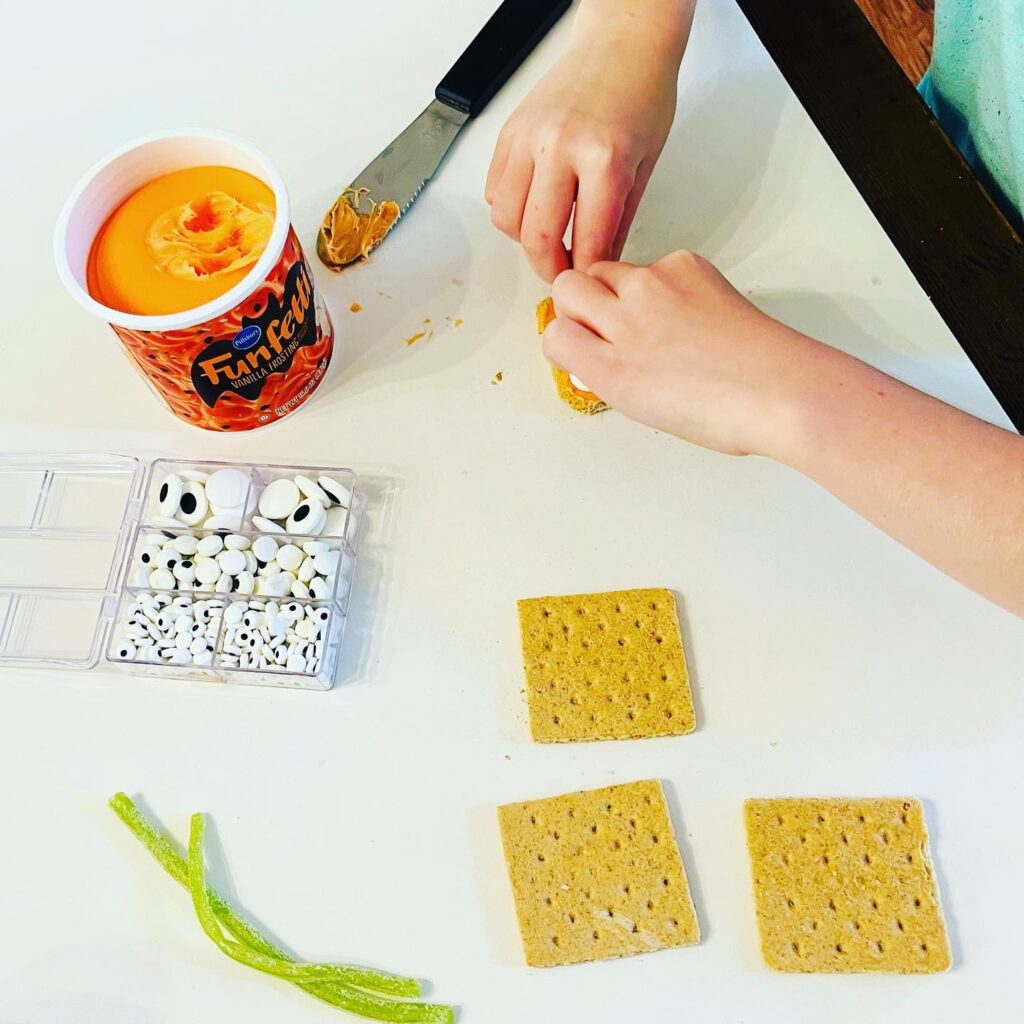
(645, 29)
(948, 486)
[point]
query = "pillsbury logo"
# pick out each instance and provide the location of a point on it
(247, 338)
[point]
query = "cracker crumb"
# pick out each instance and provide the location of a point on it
(456, 323)
(426, 319)
(415, 337)
(498, 378)
(355, 308)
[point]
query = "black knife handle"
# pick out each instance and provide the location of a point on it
(514, 29)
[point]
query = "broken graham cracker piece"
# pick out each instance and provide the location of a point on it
(844, 885)
(605, 666)
(576, 398)
(597, 875)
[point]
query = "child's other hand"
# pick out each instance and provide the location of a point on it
(676, 347)
(589, 135)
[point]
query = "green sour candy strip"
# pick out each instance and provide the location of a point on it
(356, 1002)
(160, 847)
(175, 865)
(333, 993)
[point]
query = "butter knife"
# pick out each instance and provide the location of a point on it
(386, 188)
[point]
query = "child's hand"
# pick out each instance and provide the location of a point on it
(589, 134)
(675, 346)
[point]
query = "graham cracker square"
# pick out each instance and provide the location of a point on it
(605, 666)
(845, 885)
(597, 875)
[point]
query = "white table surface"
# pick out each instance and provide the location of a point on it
(359, 823)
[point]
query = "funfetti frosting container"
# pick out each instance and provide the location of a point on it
(243, 360)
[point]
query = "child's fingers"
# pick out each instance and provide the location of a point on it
(502, 148)
(510, 195)
(586, 300)
(577, 350)
(546, 217)
(599, 205)
(636, 193)
(612, 274)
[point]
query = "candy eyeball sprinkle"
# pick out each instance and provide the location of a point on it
(149, 555)
(192, 506)
(169, 495)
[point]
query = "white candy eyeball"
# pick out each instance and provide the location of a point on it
(126, 650)
(266, 525)
(227, 488)
(236, 542)
(167, 558)
(290, 557)
(338, 493)
(265, 549)
(308, 517)
(194, 474)
(225, 584)
(279, 499)
(315, 547)
(207, 570)
(251, 562)
(161, 579)
(299, 589)
(307, 571)
(186, 544)
(318, 588)
(169, 494)
(326, 563)
(336, 519)
(232, 562)
(312, 490)
(210, 546)
(245, 582)
(139, 578)
(278, 585)
(185, 571)
(225, 523)
(193, 505)
(321, 615)
(149, 554)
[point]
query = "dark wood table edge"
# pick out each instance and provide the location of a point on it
(956, 242)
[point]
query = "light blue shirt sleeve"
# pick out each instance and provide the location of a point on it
(975, 86)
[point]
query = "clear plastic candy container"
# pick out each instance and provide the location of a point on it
(229, 572)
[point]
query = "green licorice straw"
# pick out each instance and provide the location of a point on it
(336, 984)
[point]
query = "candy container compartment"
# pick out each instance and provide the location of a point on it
(97, 542)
